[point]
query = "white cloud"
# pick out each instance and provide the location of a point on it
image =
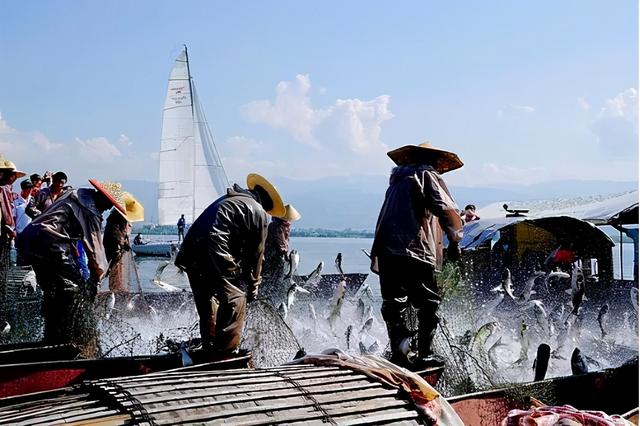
(356, 123)
(96, 150)
(124, 140)
(616, 125)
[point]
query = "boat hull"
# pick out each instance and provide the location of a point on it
(160, 249)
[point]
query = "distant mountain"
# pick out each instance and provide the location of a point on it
(354, 202)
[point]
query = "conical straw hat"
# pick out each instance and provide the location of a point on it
(441, 160)
(135, 210)
(291, 214)
(254, 180)
(113, 192)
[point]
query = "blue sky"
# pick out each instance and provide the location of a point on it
(523, 91)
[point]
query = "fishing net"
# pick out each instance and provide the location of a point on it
(268, 336)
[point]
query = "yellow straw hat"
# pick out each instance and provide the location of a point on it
(291, 214)
(8, 165)
(441, 160)
(135, 210)
(278, 209)
(113, 192)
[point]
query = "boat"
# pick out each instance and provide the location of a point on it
(191, 175)
(614, 391)
(156, 248)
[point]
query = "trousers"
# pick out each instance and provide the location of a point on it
(221, 306)
(406, 281)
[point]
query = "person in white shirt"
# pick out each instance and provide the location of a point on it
(21, 204)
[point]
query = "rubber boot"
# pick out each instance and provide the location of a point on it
(428, 324)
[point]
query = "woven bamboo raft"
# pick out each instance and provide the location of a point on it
(299, 394)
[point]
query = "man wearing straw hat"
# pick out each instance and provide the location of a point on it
(222, 255)
(407, 248)
(51, 245)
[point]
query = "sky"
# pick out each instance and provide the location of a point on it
(523, 92)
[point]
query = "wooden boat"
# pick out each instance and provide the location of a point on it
(614, 391)
(28, 377)
(302, 394)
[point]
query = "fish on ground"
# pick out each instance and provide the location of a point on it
(291, 294)
(294, 261)
(336, 303)
(602, 317)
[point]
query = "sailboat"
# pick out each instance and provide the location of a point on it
(191, 175)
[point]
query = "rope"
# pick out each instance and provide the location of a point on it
(326, 417)
(118, 395)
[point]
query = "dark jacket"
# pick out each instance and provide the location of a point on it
(227, 238)
(416, 208)
(52, 236)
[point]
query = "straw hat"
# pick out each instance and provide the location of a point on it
(291, 214)
(8, 165)
(135, 210)
(278, 209)
(113, 192)
(441, 160)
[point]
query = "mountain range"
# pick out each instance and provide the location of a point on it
(354, 202)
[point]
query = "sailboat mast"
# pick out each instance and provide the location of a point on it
(193, 169)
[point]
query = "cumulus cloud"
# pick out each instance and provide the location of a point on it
(356, 123)
(97, 150)
(124, 140)
(616, 125)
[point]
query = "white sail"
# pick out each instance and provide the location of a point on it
(191, 174)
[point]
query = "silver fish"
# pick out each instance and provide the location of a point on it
(314, 277)
(6, 329)
(541, 316)
(360, 311)
(368, 344)
(506, 286)
(160, 269)
(336, 303)
(634, 299)
(552, 276)
(524, 342)
(492, 352)
(294, 261)
(578, 363)
(165, 286)
(313, 317)
(602, 317)
(29, 280)
(282, 310)
(111, 303)
(291, 294)
(483, 334)
(131, 303)
(577, 290)
(348, 334)
(367, 325)
(528, 290)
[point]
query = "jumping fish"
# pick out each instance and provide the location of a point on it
(294, 261)
(314, 277)
(577, 290)
(29, 280)
(291, 294)
(165, 286)
(528, 290)
(493, 358)
(366, 327)
(554, 275)
(541, 363)
(541, 316)
(348, 334)
(6, 329)
(282, 310)
(360, 311)
(339, 263)
(524, 343)
(131, 304)
(368, 344)
(336, 303)
(506, 286)
(602, 317)
(111, 303)
(634, 299)
(365, 288)
(563, 336)
(483, 333)
(578, 363)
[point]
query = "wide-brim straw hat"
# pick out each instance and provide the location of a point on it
(291, 214)
(113, 192)
(8, 165)
(278, 209)
(425, 153)
(135, 210)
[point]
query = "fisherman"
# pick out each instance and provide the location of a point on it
(138, 240)
(8, 229)
(222, 255)
(49, 243)
(116, 240)
(20, 205)
(181, 225)
(276, 254)
(50, 194)
(407, 247)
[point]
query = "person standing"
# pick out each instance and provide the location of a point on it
(49, 243)
(469, 213)
(116, 241)
(21, 204)
(222, 254)
(182, 223)
(408, 247)
(48, 195)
